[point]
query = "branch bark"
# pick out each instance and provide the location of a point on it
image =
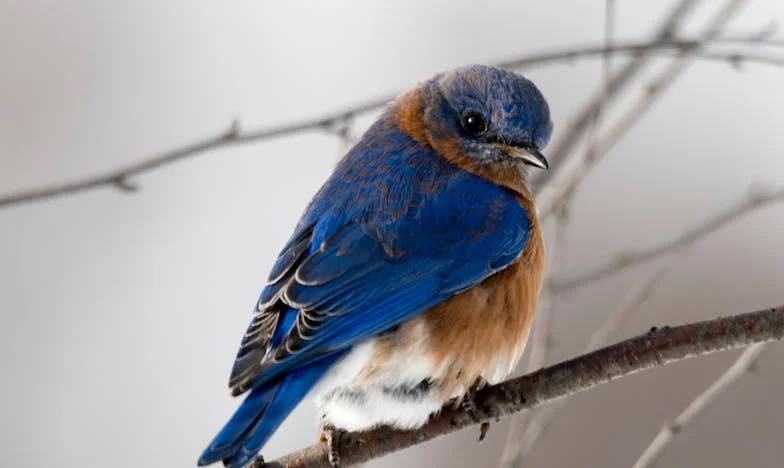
(542, 418)
(656, 348)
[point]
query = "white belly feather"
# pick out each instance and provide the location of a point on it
(397, 393)
(348, 402)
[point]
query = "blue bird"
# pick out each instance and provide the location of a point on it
(413, 274)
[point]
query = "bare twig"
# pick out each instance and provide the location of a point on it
(542, 337)
(541, 420)
(663, 47)
(756, 200)
(119, 177)
(655, 348)
(515, 452)
(638, 294)
(573, 172)
(670, 430)
(582, 121)
(234, 136)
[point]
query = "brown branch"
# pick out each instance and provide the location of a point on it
(541, 420)
(656, 348)
(663, 440)
(118, 178)
(755, 201)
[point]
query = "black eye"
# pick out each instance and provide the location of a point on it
(474, 123)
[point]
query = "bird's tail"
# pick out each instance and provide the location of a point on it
(260, 414)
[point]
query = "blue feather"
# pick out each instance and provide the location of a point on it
(260, 414)
(395, 230)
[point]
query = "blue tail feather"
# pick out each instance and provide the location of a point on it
(260, 414)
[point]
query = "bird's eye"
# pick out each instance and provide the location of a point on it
(474, 123)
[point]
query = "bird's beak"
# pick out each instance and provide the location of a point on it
(531, 156)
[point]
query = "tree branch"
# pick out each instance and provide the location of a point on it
(568, 177)
(118, 178)
(577, 127)
(541, 340)
(656, 348)
(515, 452)
(753, 202)
(669, 431)
(541, 420)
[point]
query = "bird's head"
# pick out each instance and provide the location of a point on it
(491, 115)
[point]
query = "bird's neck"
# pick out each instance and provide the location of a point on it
(408, 111)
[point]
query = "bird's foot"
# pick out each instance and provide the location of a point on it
(483, 430)
(468, 405)
(331, 435)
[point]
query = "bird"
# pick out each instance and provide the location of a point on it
(413, 275)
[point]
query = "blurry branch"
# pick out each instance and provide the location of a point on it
(541, 420)
(345, 138)
(120, 178)
(663, 440)
(580, 123)
(514, 452)
(655, 348)
(541, 340)
(568, 177)
(664, 47)
(757, 199)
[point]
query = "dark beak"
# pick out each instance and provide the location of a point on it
(533, 157)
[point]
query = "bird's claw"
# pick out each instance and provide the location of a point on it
(483, 430)
(468, 405)
(331, 435)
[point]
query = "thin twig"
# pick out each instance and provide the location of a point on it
(576, 128)
(541, 340)
(118, 178)
(656, 348)
(664, 47)
(543, 418)
(756, 200)
(515, 452)
(670, 430)
(569, 176)
(234, 136)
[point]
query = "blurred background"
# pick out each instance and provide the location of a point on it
(120, 313)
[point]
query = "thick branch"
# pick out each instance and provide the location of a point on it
(543, 417)
(655, 348)
(117, 178)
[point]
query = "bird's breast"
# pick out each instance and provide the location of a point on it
(402, 376)
(479, 333)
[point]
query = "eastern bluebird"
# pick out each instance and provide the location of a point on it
(413, 274)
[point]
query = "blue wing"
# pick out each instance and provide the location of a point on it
(392, 233)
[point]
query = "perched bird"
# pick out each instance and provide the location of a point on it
(413, 274)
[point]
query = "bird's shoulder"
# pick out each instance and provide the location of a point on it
(391, 181)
